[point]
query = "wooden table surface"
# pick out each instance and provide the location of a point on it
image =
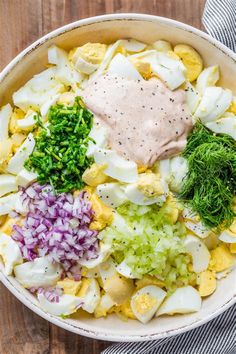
(21, 23)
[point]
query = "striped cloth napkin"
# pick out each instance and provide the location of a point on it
(219, 335)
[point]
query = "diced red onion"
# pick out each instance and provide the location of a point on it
(58, 226)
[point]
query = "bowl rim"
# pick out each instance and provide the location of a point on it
(91, 333)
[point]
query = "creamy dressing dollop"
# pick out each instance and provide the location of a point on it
(145, 120)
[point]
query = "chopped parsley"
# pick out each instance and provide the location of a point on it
(59, 156)
(210, 185)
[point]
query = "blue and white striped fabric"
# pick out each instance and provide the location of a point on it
(219, 335)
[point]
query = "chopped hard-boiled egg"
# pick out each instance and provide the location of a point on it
(40, 272)
(178, 171)
(199, 252)
(107, 269)
(6, 147)
(44, 109)
(149, 189)
(191, 59)
(8, 203)
(94, 175)
(117, 167)
(193, 223)
(111, 50)
(214, 103)
(16, 163)
(224, 126)
(126, 271)
(103, 214)
(148, 280)
(143, 68)
(65, 72)
(7, 226)
(8, 183)
(121, 66)
(5, 114)
(10, 253)
(227, 236)
(69, 286)
(38, 90)
(28, 122)
(206, 283)
(208, 77)
(103, 254)
(170, 71)
(90, 294)
(221, 258)
(183, 300)
(133, 46)
(93, 53)
(192, 97)
(104, 306)
(118, 288)
(98, 134)
(67, 305)
(162, 46)
(232, 107)
(111, 194)
(145, 302)
(25, 177)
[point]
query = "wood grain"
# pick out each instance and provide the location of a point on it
(21, 23)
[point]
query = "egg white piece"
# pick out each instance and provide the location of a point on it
(183, 300)
(107, 269)
(171, 71)
(135, 196)
(126, 271)
(10, 253)
(106, 303)
(106, 60)
(67, 304)
(193, 223)
(162, 46)
(199, 252)
(178, 171)
(164, 169)
(192, 97)
(120, 224)
(5, 115)
(99, 135)
(19, 206)
(117, 167)
(103, 253)
(227, 236)
(111, 194)
(25, 177)
(121, 66)
(28, 122)
(131, 45)
(197, 228)
(8, 183)
(8, 203)
(92, 297)
(214, 103)
(145, 302)
(208, 77)
(65, 73)
(16, 163)
(46, 105)
(41, 272)
(224, 125)
(85, 67)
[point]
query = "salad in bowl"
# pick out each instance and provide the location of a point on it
(117, 184)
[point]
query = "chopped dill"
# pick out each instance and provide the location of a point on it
(210, 185)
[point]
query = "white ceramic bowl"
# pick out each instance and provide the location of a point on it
(108, 29)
